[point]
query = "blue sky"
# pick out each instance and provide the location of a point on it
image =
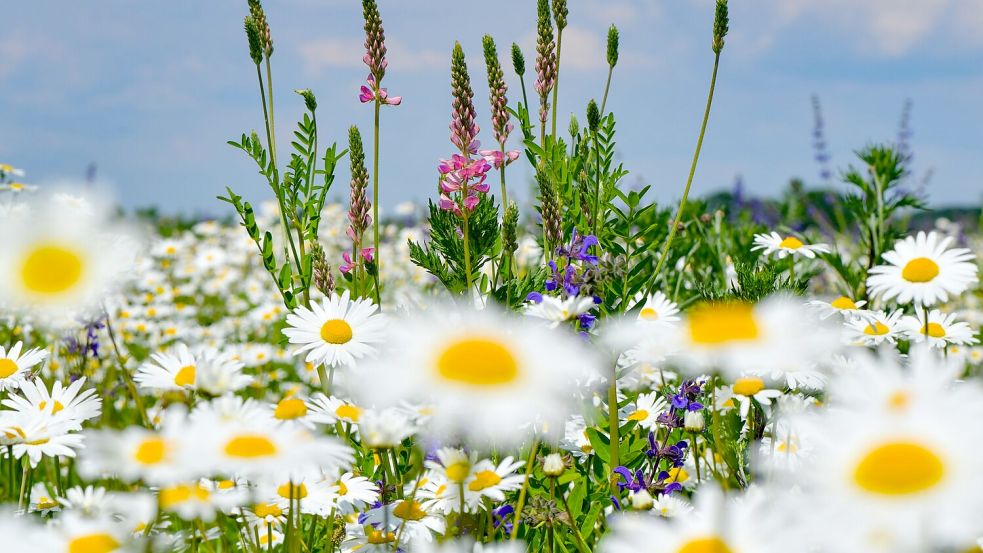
(150, 91)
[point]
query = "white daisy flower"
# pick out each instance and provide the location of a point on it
(336, 332)
(879, 328)
(328, 410)
(783, 247)
(14, 364)
(923, 270)
(557, 310)
(938, 329)
(645, 410)
(62, 404)
(658, 309)
(355, 492)
(176, 369)
(842, 305)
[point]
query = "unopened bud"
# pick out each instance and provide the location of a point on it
(612, 46)
(309, 100)
(642, 500)
(574, 126)
(720, 26)
(518, 60)
(693, 421)
(593, 116)
(553, 465)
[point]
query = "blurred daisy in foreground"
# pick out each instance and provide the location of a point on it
(783, 247)
(61, 258)
(717, 524)
(938, 329)
(486, 374)
(14, 364)
(336, 332)
(886, 469)
(923, 270)
(558, 310)
(773, 336)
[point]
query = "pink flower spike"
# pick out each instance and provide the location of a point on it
(366, 95)
(471, 202)
(367, 254)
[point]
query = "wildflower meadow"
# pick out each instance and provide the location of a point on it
(577, 368)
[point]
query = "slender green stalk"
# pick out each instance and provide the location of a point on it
(556, 81)
(521, 503)
(692, 172)
(613, 422)
(607, 87)
(581, 544)
(597, 186)
(505, 194)
(467, 254)
(375, 201)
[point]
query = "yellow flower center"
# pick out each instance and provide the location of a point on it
(336, 331)
(638, 415)
(899, 468)
(54, 409)
(790, 243)
(51, 269)
(876, 329)
(899, 400)
(182, 493)
(649, 314)
(342, 488)
(409, 510)
(920, 269)
(478, 362)
(250, 446)
(715, 324)
(150, 451)
(708, 544)
(290, 408)
(843, 302)
(99, 542)
(378, 537)
(935, 330)
(458, 471)
(678, 474)
(226, 484)
(748, 386)
(45, 502)
(484, 479)
(7, 367)
(349, 412)
(299, 491)
(185, 376)
(263, 510)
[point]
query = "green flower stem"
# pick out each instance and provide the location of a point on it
(467, 254)
(375, 201)
(613, 424)
(692, 172)
(556, 81)
(607, 87)
(521, 503)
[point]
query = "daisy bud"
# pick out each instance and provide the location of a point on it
(553, 465)
(255, 41)
(612, 46)
(693, 421)
(642, 500)
(593, 116)
(720, 26)
(518, 60)
(560, 13)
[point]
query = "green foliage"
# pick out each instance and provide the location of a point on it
(443, 257)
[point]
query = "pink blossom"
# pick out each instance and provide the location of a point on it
(347, 265)
(496, 157)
